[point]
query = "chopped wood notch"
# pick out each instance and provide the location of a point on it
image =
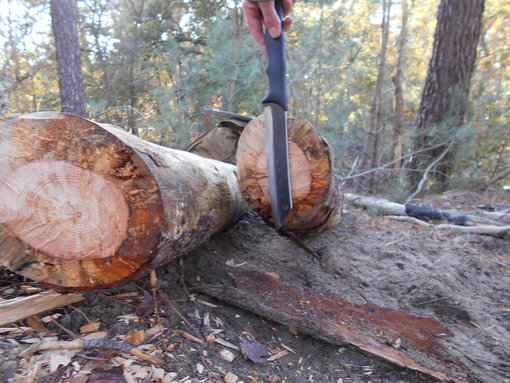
(315, 195)
(85, 205)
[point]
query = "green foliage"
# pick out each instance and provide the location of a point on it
(152, 66)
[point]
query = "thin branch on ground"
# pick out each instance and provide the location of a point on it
(488, 230)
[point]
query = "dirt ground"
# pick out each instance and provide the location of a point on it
(463, 280)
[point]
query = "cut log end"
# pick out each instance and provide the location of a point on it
(315, 195)
(79, 208)
(61, 209)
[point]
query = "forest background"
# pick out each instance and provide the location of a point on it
(356, 70)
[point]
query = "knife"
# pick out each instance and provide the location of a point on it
(275, 126)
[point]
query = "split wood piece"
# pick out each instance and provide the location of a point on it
(404, 339)
(91, 344)
(20, 308)
(493, 224)
(315, 195)
(84, 206)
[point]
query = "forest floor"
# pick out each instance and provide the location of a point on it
(461, 279)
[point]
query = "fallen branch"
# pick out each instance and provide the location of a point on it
(488, 230)
(461, 222)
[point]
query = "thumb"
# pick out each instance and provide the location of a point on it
(271, 19)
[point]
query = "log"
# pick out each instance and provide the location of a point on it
(359, 286)
(87, 206)
(315, 195)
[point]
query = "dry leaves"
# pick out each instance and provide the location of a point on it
(254, 351)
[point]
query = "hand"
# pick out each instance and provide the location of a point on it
(264, 13)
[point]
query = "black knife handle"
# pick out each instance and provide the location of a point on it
(276, 65)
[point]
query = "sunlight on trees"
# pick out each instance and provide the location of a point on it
(153, 66)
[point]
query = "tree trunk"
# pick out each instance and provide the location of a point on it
(85, 206)
(445, 95)
(398, 81)
(72, 90)
(233, 80)
(315, 196)
(371, 152)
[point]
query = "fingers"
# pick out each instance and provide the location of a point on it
(287, 6)
(271, 19)
(287, 23)
(255, 21)
(264, 13)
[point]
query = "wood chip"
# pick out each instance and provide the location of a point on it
(278, 355)
(37, 325)
(231, 263)
(210, 338)
(205, 303)
(154, 279)
(30, 289)
(156, 330)
(184, 334)
(225, 343)
(89, 328)
(136, 338)
(231, 378)
(95, 335)
(227, 356)
(287, 348)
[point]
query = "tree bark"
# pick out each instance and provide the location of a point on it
(445, 95)
(315, 195)
(86, 206)
(65, 31)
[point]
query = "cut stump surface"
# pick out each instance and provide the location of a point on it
(315, 195)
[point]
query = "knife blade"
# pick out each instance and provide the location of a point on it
(275, 126)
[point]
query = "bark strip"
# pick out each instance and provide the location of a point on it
(406, 340)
